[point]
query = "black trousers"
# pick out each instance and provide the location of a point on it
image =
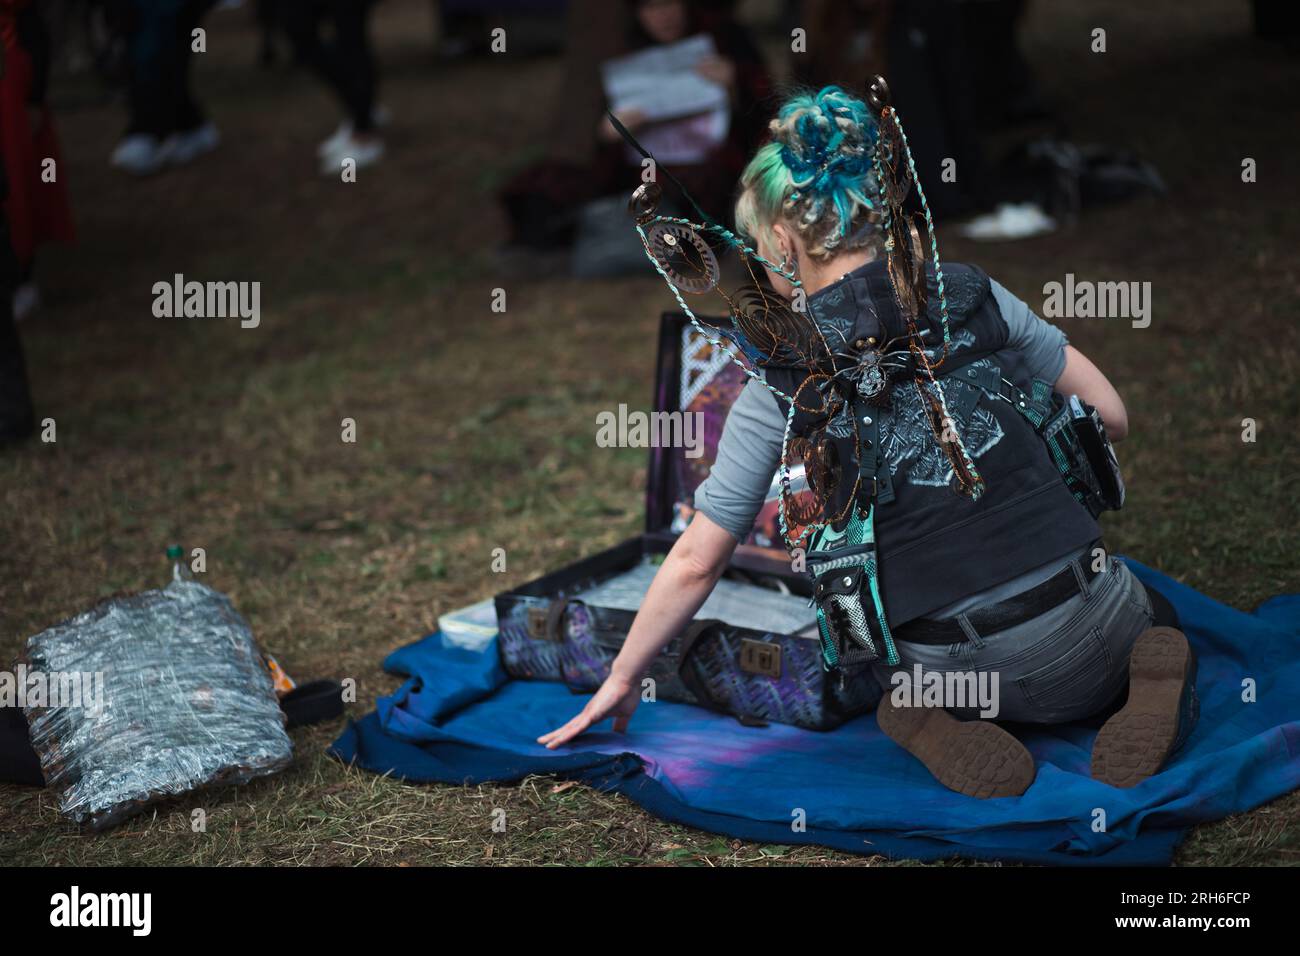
(159, 50)
(346, 62)
(17, 421)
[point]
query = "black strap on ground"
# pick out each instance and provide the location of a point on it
(312, 702)
(18, 761)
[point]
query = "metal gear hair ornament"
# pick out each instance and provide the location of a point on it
(878, 93)
(683, 257)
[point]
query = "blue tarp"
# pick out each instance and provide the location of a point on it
(460, 719)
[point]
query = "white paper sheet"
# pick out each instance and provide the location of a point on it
(661, 81)
(687, 115)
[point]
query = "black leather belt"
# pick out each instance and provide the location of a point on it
(1040, 599)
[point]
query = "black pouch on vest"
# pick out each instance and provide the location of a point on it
(848, 640)
(1077, 440)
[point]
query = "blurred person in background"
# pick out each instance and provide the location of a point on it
(347, 65)
(591, 159)
(737, 67)
(166, 126)
(17, 420)
(268, 16)
(925, 49)
(36, 207)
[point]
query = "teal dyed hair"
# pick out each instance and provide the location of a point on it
(817, 174)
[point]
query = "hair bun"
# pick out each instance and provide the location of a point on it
(826, 140)
(817, 174)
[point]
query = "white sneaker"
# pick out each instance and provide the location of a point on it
(27, 299)
(181, 148)
(1009, 221)
(344, 132)
(139, 153)
(335, 140)
(363, 152)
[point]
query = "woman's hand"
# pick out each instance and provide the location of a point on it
(680, 586)
(617, 697)
(718, 69)
(632, 120)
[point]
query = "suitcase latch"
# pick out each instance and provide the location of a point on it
(760, 657)
(537, 622)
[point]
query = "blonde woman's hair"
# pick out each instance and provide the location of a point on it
(816, 175)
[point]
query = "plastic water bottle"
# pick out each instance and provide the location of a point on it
(180, 570)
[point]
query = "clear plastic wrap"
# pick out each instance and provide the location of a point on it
(185, 700)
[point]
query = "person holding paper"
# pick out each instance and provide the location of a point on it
(691, 91)
(713, 108)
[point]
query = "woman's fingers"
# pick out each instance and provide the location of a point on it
(566, 733)
(609, 700)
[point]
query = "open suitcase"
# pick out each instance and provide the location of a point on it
(568, 625)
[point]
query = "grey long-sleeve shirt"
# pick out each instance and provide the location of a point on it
(749, 451)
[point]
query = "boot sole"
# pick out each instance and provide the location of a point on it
(972, 757)
(1137, 740)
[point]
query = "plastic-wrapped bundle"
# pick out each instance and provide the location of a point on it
(183, 700)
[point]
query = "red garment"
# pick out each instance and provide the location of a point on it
(36, 211)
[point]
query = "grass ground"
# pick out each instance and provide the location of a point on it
(475, 427)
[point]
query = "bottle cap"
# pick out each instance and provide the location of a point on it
(174, 552)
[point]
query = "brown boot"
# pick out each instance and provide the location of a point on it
(974, 757)
(1161, 710)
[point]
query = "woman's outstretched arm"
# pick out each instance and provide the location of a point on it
(679, 588)
(1080, 377)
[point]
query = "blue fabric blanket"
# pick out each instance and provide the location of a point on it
(460, 719)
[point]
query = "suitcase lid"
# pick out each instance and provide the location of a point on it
(694, 376)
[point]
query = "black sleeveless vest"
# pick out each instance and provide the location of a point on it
(936, 546)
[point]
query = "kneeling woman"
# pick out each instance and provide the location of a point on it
(1009, 580)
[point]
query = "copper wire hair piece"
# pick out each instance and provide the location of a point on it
(907, 276)
(771, 326)
(825, 400)
(898, 174)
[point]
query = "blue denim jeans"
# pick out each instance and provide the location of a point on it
(1066, 664)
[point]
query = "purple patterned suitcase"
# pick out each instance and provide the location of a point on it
(757, 674)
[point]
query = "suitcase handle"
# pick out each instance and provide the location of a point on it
(547, 624)
(694, 631)
(690, 637)
(554, 628)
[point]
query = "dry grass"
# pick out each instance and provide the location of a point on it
(475, 428)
